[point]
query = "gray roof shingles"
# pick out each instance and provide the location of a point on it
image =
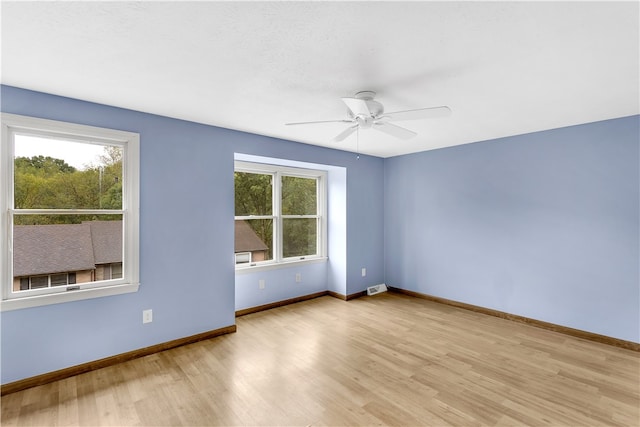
(47, 249)
(107, 241)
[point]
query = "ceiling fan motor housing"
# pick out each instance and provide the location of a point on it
(375, 109)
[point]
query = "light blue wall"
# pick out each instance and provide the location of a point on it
(543, 225)
(280, 284)
(186, 251)
(364, 213)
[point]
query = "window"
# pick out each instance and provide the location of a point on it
(109, 271)
(35, 282)
(280, 214)
(69, 207)
(116, 270)
(243, 257)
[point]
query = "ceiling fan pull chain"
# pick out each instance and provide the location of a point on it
(358, 143)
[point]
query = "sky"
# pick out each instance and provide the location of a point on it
(76, 154)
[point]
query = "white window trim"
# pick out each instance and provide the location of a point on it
(321, 200)
(12, 123)
(266, 266)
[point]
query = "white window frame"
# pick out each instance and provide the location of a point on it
(321, 205)
(13, 124)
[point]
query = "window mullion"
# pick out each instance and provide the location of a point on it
(277, 212)
(67, 211)
(246, 217)
(320, 221)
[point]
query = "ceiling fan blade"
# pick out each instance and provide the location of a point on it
(345, 133)
(393, 130)
(321, 121)
(420, 113)
(357, 106)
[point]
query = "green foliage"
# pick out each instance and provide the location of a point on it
(49, 183)
(299, 237)
(62, 219)
(298, 196)
(253, 193)
(42, 166)
(112, 198)
(253, 196)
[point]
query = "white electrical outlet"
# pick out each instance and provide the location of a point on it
(261, 283)
(147, 316)
(298, 277)
(364, 272)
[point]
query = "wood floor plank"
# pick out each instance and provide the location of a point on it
(388, 359)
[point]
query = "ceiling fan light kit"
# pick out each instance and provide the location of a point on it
(366, 113)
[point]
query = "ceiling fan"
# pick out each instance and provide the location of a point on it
(365, 113)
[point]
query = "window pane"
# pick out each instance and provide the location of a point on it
(103, 272)
(299, 196)
(116, 271)
(256, 237)
(58, 174)
(59, 279)
(71, 244)
(253, 194)
(39, 282)
(299, 237)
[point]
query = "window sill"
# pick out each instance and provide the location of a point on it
(279, 265)
(57, 298)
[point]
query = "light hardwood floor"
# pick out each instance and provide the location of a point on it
(389, 359)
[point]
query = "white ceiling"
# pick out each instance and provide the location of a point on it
(504, 68)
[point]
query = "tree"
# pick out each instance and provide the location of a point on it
(35, 177)
(49, 183)
(43, 166)
(112, 155)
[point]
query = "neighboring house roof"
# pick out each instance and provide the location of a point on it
(46, 249)
(246, 239)
(41, 249)
(106, 237)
